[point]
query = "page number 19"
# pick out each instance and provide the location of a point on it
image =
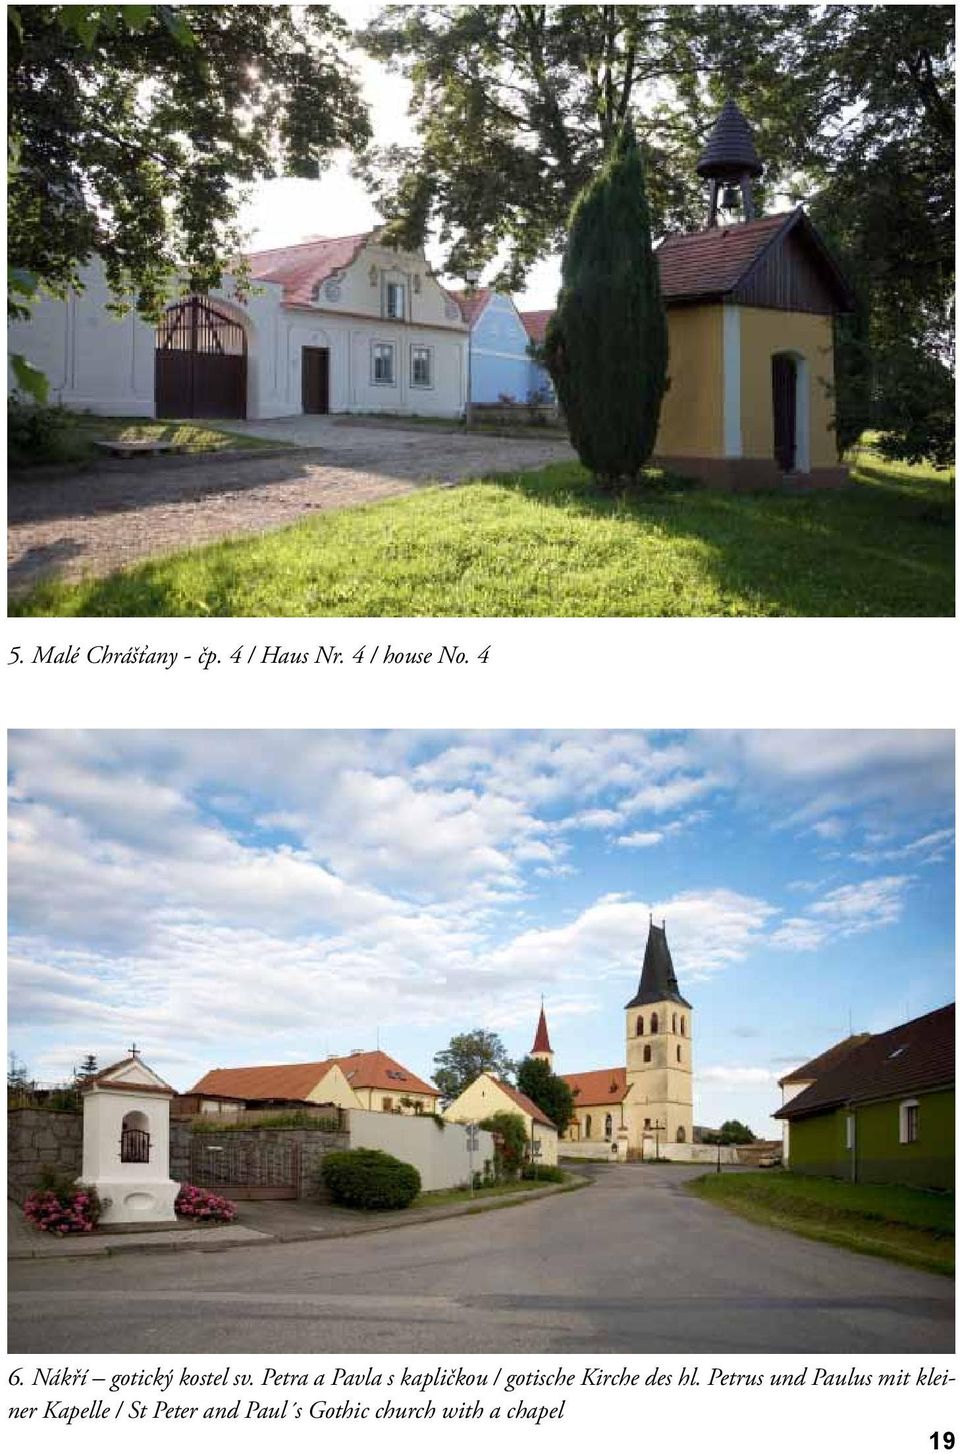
(942, 1441)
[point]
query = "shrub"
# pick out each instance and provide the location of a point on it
(61, 1205)
(200, 1205)
(37, 434)
(542, 1173)
(509, 1141)
(370, 1180)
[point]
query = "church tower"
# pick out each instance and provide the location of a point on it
(659, 1099)
(729, 161)
(541, 1041)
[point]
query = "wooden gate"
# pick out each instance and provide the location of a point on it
(785, 411)
(244, 1169)
(200, 363)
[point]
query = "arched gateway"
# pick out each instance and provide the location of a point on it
(201, 363)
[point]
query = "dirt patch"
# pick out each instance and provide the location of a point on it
(98, 520)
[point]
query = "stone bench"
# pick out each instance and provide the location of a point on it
(127, 448)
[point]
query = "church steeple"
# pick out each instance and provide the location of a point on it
(730, 158)
(541, 1041)
(658, 980)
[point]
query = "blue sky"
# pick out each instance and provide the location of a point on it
(234, 898)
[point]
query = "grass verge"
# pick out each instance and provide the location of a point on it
(75, 439)
(900, 1223)
(551, 543)
(453, 1195)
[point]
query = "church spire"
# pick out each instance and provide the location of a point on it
(541, 1041)
(730, 158)
(658, 979)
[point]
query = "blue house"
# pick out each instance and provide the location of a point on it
(501, 368)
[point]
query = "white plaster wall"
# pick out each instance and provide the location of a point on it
(353, 292)
(593, 1150)
(352, 389)
(91, 359)
(441, 1157)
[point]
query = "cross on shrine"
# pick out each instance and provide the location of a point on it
(134, 1049)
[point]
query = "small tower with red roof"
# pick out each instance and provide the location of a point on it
(541, 1041)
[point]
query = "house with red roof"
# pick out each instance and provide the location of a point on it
(487, 1096)
(322, 325)
(502, 369)
(368, 1080)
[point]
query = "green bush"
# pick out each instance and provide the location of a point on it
(38, 434)
(370, 1180)
(542, 1173)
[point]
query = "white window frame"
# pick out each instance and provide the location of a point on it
(390, 383)
(905, 1107)
(391, 289)
(426, 349)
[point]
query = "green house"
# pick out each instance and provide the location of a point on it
(883, 1111)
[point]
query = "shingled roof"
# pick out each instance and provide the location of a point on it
(822, 1063)
(913, 1057)
(367, 1070)
(658, 980)
(536, 323)
(524, 1103)
(303, 266)
(598, 1087)
(472, 302)
(730, 151)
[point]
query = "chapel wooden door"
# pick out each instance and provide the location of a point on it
(785, 411)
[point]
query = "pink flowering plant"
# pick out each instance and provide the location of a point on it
(201, 1205)
(60, 1205)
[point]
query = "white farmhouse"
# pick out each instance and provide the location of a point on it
(330, 325)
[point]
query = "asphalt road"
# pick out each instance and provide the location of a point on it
(629, 1265)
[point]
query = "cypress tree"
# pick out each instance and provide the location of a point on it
(606, 345)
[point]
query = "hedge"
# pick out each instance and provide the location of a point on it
(371, 1180)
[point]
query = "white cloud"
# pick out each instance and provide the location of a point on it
(855, 908)
(640, 840)
(737, 1075)
(799, 933)
(930, 848)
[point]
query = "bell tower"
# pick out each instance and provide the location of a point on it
(659, 1050)
(541, 1041)
(730, 159)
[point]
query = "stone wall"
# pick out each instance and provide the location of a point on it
(41, 1138)
(313, 1145)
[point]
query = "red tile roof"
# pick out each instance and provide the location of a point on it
(536, 323)
(368, 1070)
(704, 264)
(598, 1087)
(913, 1057)
(303, 266)
(822, 1063)
(541, 1041)
(472, 303)
(524, 1102)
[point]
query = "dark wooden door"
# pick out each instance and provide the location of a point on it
(200, 363)
(785, 411)
(315, 374)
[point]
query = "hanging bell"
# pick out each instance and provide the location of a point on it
(730, 201)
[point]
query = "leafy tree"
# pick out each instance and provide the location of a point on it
(735, 1133)
(510, 1130)
(546, 1090)
(516, 108)
(18, 1077)
(133, 130)
(468, 1056)
(606, 345)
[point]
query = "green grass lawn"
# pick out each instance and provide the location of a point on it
(550, 543)
(75, 442)
(897, 1222)
(455, 1194)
